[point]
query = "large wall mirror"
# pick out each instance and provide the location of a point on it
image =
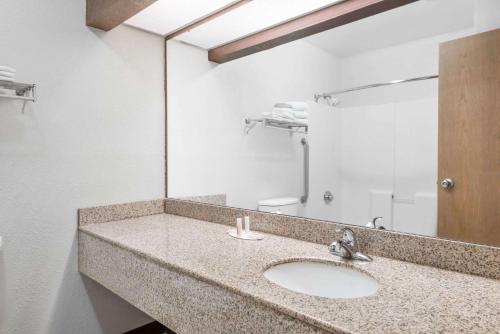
(323, 128)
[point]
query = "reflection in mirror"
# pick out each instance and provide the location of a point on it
(303, 129)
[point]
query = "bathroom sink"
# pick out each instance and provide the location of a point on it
(322, 279)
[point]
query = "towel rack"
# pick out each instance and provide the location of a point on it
(25, 92)
(291, 127)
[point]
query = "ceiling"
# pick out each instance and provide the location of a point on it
(418, 20)
(255, 16)
(166, 16)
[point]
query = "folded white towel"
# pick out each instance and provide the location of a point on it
(285, 112)
(8, 92)
(6, 79)
(7, 69)
(7, 74)
(279, 118)
(301, 114)
(278, 115)
(302, 106)
(287, 115)
(288, 112)
(301, 121)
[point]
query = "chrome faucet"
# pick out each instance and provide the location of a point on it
(375, 223)
(347, 247)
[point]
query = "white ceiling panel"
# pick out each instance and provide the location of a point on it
(415, 21)
(249, 18)
(166, 16)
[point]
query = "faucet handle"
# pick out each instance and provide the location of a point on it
(347, 246)
(347, 251)
(341, 248)
(344, 231)
(348, 237)
(374, 223)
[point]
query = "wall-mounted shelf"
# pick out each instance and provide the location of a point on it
(21, 91)
(291, 127)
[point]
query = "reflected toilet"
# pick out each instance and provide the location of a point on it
(284, 205)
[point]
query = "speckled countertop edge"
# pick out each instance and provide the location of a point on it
(106, 213)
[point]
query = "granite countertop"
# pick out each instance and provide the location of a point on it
(411, 298)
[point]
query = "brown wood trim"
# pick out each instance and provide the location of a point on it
(309, 24)
(107, 14)
(207, 18)
(165, 87)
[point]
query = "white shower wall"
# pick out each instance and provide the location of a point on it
(388, 136)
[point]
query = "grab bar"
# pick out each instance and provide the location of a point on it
(305, 144)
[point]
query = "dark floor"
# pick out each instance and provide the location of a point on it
(152, 328)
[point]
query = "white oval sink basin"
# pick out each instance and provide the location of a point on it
(322, 279)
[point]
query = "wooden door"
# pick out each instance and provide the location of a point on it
(469, 139)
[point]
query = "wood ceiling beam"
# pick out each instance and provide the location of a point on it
(107, 14)
(303, 26)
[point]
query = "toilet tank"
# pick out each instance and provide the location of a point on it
(283, 205)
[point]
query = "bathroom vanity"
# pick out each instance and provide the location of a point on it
(190, 275)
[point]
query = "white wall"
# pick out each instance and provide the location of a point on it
(207, 104)
(486, 15)
(94, 137)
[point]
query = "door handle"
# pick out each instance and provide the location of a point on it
(447, 184)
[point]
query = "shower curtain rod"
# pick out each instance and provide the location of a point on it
(394, 82)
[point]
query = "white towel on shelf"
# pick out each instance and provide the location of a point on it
(293, 112)
(7, 92)
(277, 116)
(7, 69)
(281, 119)
(283, 112)
(301, 114)
(7, 74)
(6, 79)
(298, 106)
(303, 121)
